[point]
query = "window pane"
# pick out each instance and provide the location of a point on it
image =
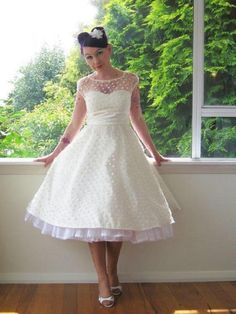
(220, 52)
(167, 101)
(219, 137)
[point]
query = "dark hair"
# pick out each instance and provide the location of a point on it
(96, 38)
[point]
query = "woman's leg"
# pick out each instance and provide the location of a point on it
(113, 253)
(98, 252)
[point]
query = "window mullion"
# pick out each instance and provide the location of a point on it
(219, 111)
(198, 76)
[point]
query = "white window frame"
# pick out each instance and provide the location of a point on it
(200, 110)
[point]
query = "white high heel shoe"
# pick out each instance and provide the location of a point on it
(110, 298)
(116, 290)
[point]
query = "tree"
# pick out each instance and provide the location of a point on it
(154, 39)
(75, 67)
(220, 52)
(34, 133)
(219, 134)
(169, 115)
(31, 79)
(100, 5)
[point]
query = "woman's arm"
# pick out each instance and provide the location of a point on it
(76, 122)
(71, 130)
(141, 128)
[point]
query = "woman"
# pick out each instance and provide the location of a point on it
(101, 188)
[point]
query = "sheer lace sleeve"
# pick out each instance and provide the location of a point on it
(134, 80)
(80, 86)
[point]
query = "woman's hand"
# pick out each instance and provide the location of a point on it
(159, 159)
(46, 159)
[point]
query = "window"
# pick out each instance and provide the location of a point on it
(214, 61)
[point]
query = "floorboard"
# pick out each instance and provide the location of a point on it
(137, 298)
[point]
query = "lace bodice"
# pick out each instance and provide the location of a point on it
(126, 82)
(108, 101)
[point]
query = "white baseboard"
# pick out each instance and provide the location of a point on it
(189, 276)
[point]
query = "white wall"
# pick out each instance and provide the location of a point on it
(203, 248)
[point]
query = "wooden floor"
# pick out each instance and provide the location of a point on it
(137, 298)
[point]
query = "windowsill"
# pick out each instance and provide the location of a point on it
(26, 166)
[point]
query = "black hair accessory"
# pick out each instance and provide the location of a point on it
(96, 38)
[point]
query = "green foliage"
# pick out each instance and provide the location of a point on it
(34, 133)
(75, 67)
(152, 38)
(11, 141)
(99, 4)
(28, 85)
(220, 52)
(219, 135)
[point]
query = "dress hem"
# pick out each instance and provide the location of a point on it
(101, 234)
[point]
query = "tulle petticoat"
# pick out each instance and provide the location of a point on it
(99, 234)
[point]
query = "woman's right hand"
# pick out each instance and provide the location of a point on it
(46, 159)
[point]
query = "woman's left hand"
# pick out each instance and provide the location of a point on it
(159, 159)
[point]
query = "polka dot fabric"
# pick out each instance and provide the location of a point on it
(126, 82)
(102, 187)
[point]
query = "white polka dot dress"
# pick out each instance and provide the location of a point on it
(102, 187)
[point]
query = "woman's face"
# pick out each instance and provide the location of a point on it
(97, 58)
